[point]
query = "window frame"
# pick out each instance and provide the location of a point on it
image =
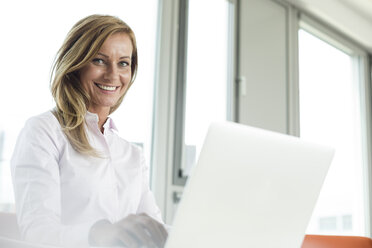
(165, 100)
(179, 179)
(362, 71)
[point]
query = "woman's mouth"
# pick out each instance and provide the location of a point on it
(107, 88)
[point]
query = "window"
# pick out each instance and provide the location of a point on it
(330, 113)
(204, 88)
(28, 49)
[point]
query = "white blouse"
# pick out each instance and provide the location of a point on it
(60, 193)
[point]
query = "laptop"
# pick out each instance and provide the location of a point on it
(250, 188)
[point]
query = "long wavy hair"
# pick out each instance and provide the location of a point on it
(80, 46)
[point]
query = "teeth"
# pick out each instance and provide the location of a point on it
(104, 87)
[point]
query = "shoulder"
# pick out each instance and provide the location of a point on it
(44, 119)
(43, 125)
(132, 146)
(133, 149)
(40, 136)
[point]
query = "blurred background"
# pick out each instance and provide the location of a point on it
(298, 67)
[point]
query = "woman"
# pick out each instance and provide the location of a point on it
(76, 182)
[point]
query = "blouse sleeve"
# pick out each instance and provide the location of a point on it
(148, 204)
(36, 180)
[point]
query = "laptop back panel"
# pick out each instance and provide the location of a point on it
(250, 188)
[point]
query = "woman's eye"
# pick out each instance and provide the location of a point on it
(98, 61)
(124, 63)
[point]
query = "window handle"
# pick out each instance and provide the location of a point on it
(242, 84)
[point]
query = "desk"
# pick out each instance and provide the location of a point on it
(13, 243)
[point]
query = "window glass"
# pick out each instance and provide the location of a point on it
(206, 79)
(33, 31)
(330, 114)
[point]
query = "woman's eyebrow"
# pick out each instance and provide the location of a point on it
(122, 57)
(104, 55)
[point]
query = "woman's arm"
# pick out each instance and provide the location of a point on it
(36, 180)
(148, 204)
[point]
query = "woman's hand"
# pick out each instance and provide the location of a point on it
(134, 231)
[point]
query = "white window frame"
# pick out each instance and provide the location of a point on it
(361, 59)
(166, 191)
(165, 94)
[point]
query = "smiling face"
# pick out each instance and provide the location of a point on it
(107, 76)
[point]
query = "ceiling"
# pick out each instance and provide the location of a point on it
(362, 7)
(351, 17)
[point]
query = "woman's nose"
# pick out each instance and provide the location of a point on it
(112, 74)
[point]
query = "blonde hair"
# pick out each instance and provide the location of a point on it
(80, 46)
